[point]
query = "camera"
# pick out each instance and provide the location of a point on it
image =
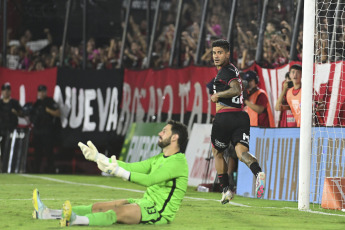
(245, 84)
(290, 84)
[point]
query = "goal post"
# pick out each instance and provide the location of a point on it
(306, 105)
(322, 135)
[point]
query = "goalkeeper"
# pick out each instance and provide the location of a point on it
(165, 176)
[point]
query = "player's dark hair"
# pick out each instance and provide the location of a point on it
(222, 44)
(182, 132)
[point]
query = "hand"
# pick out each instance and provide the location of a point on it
(111, 167)
(214, 98)
(285, 86)
(14, 112)
(91, 153)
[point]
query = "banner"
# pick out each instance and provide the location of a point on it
(277, 151)
(89, 102)
(141, 142)
(160, 95)
(329, 87)
(24, 84)
(198, 154)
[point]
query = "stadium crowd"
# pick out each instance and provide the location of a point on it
(29, 55)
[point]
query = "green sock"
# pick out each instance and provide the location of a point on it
(102, 218)
(82, 210)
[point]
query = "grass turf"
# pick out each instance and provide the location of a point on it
(198, 210)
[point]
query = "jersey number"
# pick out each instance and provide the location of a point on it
(151, 210)
(237, 100)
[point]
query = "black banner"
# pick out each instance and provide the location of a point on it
(89, 101)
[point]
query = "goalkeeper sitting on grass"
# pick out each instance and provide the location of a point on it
(164, 175)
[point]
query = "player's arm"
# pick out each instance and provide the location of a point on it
(234, 90)
(140, 167)
(167, 172)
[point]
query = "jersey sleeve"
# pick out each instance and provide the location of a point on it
(139, 167)
(168, 171)
(227, 75)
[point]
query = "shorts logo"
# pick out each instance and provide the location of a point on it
(220, 144)
(245, 137)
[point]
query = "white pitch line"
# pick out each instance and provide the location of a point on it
(140, 191)
(118, 188)
(84, 184)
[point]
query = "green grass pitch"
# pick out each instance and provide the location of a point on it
(198, 210)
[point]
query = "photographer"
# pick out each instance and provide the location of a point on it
(257, 104)
(286, 117)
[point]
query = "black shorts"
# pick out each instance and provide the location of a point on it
(230, 126)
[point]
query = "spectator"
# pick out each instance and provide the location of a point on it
(293, 95)
(9, 112)
(257, 104)
(13, 56)
(247, 43)
(37, 45)
(213, 27)
(113, 54)
(37, 65)
(190, 46)
(134, 56)
(44, 118)
(286, 117)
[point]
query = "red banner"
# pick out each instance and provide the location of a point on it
(169, 90)
(24, 84)
(160, 95)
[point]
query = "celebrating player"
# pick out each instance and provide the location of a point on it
(230, 123)
(165, 176)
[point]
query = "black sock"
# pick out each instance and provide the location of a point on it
(256, 169)
(223, 180)
(231, 182)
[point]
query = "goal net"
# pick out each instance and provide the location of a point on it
(327, 158)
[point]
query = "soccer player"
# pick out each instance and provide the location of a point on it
(231, 123)
(165, 176)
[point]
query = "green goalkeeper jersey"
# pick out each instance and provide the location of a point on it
(166, 179)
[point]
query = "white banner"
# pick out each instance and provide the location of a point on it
(197, 152)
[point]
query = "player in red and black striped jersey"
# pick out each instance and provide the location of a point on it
(230, 123)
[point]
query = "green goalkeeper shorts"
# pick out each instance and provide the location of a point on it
(149, 213)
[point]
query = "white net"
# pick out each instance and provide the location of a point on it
(328, 133)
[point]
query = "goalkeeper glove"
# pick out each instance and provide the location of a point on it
(90, 152)
(111, 167)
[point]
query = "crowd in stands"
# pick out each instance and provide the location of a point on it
(25, 54)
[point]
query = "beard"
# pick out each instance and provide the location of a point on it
(164, 143)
